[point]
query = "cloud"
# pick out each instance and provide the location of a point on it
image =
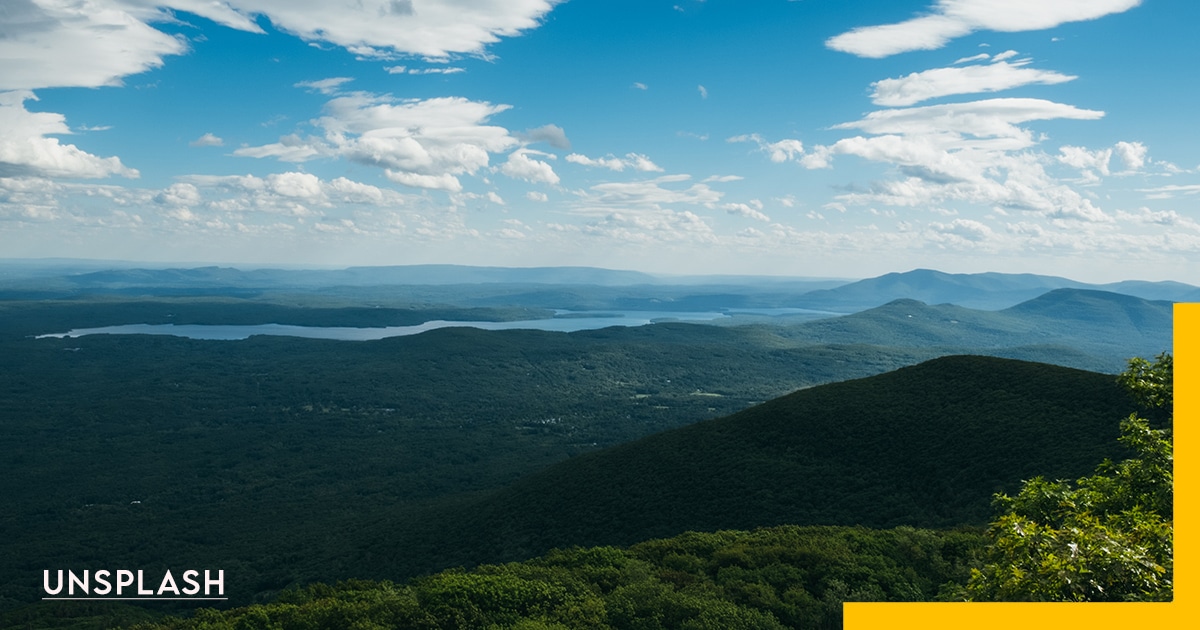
(780, 151)
(207, 140)
(1164, 218)
(1131, 154)
(635, 161)
(973, 79)
(552, 135)
(381, 28)
(950, 19)
(25, 149)
(1171, 191)
(649, 193)
(538, 196)
(639, 85)
(752, 210)
(79, 44)
(419, 71)
(422, 143)
(703, 91)
(990, 118)
(521, 166)
(325, 86)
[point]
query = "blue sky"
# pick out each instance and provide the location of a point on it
(842, 138)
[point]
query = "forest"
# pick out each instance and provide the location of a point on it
(516, 455)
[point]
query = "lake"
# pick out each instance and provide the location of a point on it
(564, 321)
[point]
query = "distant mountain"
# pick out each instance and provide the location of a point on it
(926, 445)
(1050, 327)
(988, 291)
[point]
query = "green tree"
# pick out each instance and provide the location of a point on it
(1107, 537)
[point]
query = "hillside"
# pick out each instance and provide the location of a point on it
(926, 445)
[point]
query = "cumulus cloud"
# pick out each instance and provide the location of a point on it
(1131, 154)
(520, 166)
(635, 161)
(752, 210)
(1085, 159)
(26, 149)
(972, 79)
(780, 151)
(950, 19)
(207, 140)
(538, 196)
(421, 143)
(552, 135)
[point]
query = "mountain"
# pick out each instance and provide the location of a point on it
(988, 291)
(1062, 326)
(926, 445)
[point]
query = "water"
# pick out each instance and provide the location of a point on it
(567, 322)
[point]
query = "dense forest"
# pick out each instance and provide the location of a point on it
(291, 461)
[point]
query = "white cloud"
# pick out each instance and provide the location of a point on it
(421, 143)
(1165, 218)
(639, 85)
(328, 86)
(950, 19)
(1131, 154)
(1171, 191)
(207, 140)
(1085, 159)
(752, 210)
(979, 57)
(635, 161)
(990, 118)
(780, 151)
(703, 91)
(538, 196)
(960, 230)
(381, 28)
(57, 43)
(521, 166)
(993, 77)
(418, 71)
(649, 194)
(179, 194)
(26, 150)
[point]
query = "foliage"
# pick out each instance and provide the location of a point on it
(767, 579)
(1108, 537)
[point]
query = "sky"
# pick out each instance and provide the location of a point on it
(818, 138)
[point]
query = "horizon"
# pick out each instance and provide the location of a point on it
(665, 278)
(787, 138)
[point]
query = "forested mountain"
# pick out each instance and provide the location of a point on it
(926, 445)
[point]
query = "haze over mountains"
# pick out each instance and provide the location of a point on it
(605, 288)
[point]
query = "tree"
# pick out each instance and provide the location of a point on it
(1107, 537)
